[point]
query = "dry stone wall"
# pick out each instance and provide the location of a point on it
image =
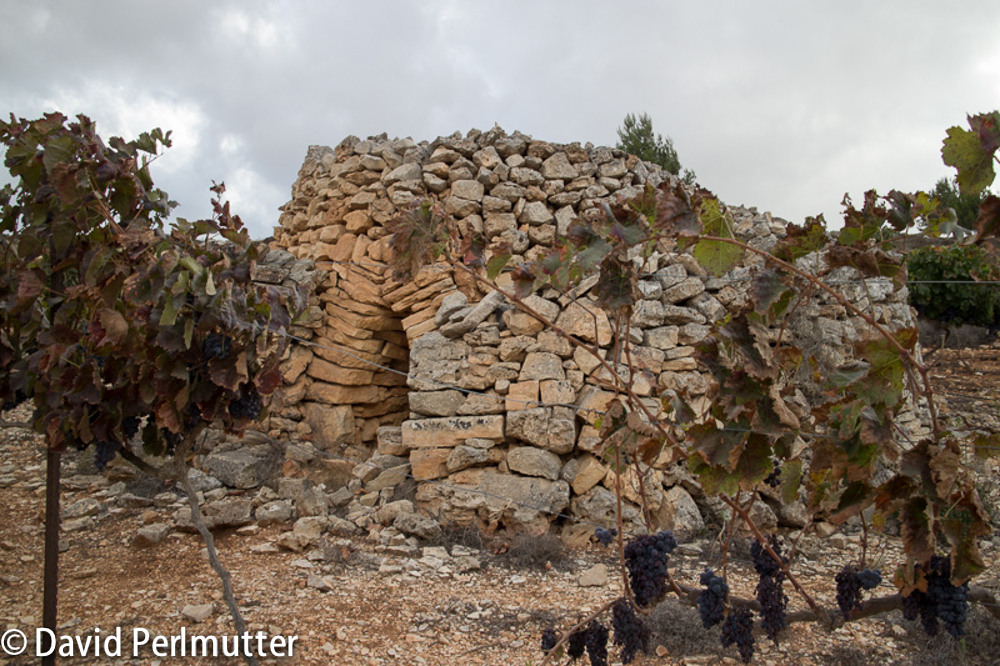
(451, 384)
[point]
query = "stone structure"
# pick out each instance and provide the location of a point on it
(449, 383)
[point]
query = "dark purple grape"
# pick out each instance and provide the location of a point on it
(869, 579)
(605, 537)
(130, 426)
(247, 405)
(631, 633)
(597, 643)
(549, 639)
(216, 345)
(773, 602)
(774, 478)
(848, 591)
(763, 563)
(104, 452)
(576, 643)
(712, 600)
(738, 628)
(646, 560)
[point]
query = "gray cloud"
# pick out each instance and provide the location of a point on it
(779, 104)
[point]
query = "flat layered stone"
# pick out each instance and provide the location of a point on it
(532, 461)
(451, 431)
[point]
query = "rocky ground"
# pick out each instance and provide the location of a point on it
(389, 598)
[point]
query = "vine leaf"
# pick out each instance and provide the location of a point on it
(497, 264)
(114, 325)
(674, 212)
(945, 466)
(717, 447)
(791, 479)
(766, 288)
(885, 375)
(716, 256)
(963, 523)
(714, 479)
(800, 241)
(971, 152)
(988, 222)
(616, 288)
(755, 461)
(915, 529)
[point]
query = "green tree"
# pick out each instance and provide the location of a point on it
(636, 137)
(966, 206)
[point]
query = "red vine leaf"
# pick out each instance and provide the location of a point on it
(675, 214)
(988, 222)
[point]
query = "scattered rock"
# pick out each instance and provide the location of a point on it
(197, 613)
(595, 576)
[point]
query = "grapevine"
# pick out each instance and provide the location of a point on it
(745, 437)
(116, 326)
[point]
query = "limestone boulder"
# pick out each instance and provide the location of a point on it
(532, 461)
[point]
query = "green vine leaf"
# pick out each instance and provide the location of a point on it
(791, 480)
(496, 264)
(971, 152)
(718, 257)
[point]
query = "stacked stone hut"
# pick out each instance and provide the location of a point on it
(478, 401)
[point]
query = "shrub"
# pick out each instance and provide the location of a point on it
(971, 303)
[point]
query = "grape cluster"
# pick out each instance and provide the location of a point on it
(869, 579)
(850, 582)
(712, 600)
(597, 643)
(942, 601)
(631, 633)
(576, 643)
(770, 594)
(773, 603)
(247, 405)
(848, 591)
(104, 452)
(952, 605)
(130, 426)
(774, 478)
(216, 345)
(549, 639)
(646, 559)
(605, 537)
(738, 628)
(763, 563)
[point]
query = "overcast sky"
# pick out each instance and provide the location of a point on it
(783, 105)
